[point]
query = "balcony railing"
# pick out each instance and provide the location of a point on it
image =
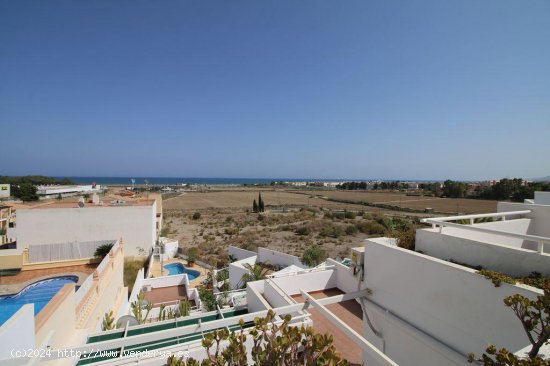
(441, 222)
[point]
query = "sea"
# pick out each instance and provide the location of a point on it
(177, 181)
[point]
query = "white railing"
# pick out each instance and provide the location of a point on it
(502, 215)
(441, 222)
(302, 271)
(84, 288)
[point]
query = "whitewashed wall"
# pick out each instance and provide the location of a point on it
(313, 281)
(274, 296)
(239, 253)
(17, 333)
(170, 248)
(237, 270)
(279, 259)
(345, 280)
(135, 224)
(451, 303)
(254, 297)
(540, 216)
(514, 261)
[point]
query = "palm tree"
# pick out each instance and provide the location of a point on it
(255, 273)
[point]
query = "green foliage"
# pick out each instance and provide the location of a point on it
(303, 230)
(208, 298)
(352, 186)
(255, 272)
(534, 316)
(138, 308)
(535, 279)
(261, 207)
(273, 344)
(255, 208)
(35, 180)
(25, 192)
(192, 254)
(515, 189)
(184, 307)
(405, 237)
(503, 357)
(196, 216)
(351, 230)
(102, 250)
(331, 230)
(452, 189)
(313, 256)
(108, 321)
(496, 277)
(371, 228)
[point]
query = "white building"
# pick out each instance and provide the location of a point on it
(65, 222)
(54, 191)
(4, 190)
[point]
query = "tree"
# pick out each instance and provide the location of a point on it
(102, 250)
(453, 189)
(25, 192)
(255, 207)
(255, 273)
(273, 345)
(260, 203)
(534, 316)
(313, 256)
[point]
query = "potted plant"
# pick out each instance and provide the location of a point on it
(192, 256)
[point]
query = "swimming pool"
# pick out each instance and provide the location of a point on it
(38, 293)
(178, 268)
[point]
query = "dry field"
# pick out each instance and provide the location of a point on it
(243, 199)
(294, 219)
(449, 205)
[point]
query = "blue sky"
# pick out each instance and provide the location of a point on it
(298, 89)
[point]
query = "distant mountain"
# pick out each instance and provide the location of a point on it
(543, 179)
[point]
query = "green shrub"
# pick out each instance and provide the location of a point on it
(196, 215)
(371, 228)
(303, 230)
(332, 231)
(351, 230)
(349, 215)
(313, 256)
(496, 277)
(102, 250)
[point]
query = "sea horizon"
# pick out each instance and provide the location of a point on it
(105, 180)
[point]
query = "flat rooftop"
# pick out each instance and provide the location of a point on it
(106, 203)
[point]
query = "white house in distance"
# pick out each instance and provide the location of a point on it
(67, 222)
(54, 191)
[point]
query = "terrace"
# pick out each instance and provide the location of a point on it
(512, 241)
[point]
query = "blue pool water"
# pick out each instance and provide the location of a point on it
(38, 293)
(178, 268)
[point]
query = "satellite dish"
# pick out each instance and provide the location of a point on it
(126, 319)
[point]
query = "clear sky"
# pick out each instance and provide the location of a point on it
(296, 89)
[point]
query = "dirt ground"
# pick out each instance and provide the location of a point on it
(242, 198)
(295, 219)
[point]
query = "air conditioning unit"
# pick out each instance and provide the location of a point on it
(147, 288)
(357, 261)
